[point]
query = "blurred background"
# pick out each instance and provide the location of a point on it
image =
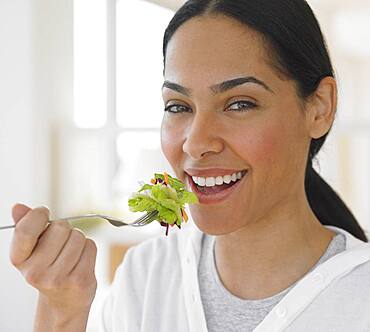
(80, 112)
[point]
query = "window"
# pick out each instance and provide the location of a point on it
(139, 105)
(90, 63)
(117, 99)
(114, 141)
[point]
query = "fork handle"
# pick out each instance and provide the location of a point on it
(66, 219)
(77, 217)
(5, 227)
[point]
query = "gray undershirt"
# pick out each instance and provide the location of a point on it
(226, 312)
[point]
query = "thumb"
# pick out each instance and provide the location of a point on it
(19, 211)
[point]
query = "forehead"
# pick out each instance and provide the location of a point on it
(215, 47)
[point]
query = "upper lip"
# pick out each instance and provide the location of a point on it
(211, 172)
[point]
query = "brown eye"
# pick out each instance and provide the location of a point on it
(241, 106)
(177, 108)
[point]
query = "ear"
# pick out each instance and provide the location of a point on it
(321, 108)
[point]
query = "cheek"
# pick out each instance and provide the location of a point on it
(171, 142)
(270, 150)
(274, 152)
(266, 146)
(261, 146)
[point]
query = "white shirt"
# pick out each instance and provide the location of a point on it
(226, 312)
(156, 289)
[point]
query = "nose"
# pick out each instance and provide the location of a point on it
(202, 137)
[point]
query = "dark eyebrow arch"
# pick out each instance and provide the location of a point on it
(177, 87)
(218, 88)
(227, 85)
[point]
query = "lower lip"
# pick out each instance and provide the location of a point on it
(215, 198)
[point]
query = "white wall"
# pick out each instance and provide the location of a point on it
(16, 151)
(35, 85)
(171, 4)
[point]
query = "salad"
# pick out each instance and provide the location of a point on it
(168, 196)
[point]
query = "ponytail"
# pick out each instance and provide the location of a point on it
(328, 206)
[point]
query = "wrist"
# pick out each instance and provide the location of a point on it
(75, 322)
(59, 318)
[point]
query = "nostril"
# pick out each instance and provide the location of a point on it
(202, 137)
(196, 150)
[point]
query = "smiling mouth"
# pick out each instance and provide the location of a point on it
(215, 189)
(211, 188)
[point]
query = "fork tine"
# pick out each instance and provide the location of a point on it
(152, 218)
(149, 217)
(143, 218)
(148, 220)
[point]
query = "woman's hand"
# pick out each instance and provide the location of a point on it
(56, 259)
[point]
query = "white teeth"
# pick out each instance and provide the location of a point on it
(201, 181)
(219, 180)
(210, 182)
(227, 179)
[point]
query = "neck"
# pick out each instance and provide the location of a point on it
(267, 256)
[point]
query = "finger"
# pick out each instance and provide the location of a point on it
(27, 233)
(70, 254)
(50, 244)
(19, 211)
(85, 268)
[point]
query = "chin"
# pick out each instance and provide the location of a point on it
(213, 226)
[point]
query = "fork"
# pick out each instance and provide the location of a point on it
(117, 222)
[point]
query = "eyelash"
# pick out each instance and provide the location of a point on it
(167, 109)
(244, 109)
(250, 106)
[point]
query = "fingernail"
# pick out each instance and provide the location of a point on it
(46, 207)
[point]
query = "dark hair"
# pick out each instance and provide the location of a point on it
(292, 34)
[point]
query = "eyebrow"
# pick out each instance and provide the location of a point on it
(218, 88)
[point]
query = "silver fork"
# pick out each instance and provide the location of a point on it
(117, 222)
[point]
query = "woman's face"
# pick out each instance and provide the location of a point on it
(228, 112)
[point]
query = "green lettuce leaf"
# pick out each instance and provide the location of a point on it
(146, 187)
(168, 200)
(173, 206)
(171, 193)
(186, 197)
(159, 193)
(174, 183)
(141, 202)
(166, 214)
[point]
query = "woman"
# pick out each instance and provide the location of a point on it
(250, 97)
